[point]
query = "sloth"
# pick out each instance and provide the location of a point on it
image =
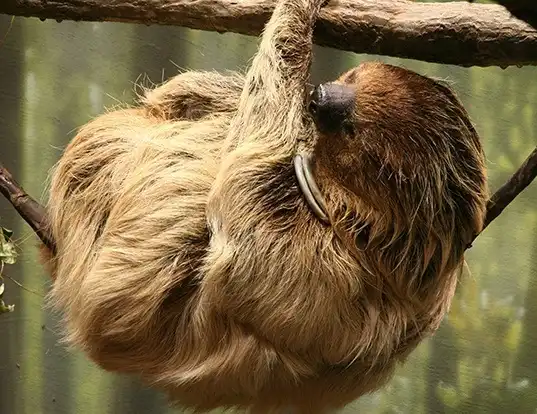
(246, 241)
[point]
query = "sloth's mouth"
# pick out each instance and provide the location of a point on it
(311, 103)
(308, 186)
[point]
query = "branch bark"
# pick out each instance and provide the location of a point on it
(457, 33)
(522, 9)
(512, 188)
(30, 210)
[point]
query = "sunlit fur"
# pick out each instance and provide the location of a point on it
(187, 255)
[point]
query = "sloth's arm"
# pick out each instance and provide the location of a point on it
(280, 67)
(193, 95)
(272, 103)
(270, 121)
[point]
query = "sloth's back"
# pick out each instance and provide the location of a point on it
(127, 212)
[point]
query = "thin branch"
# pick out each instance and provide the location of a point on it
(512, 188)
(30, 210)
(21, 286)
(35, 215)
(458, 33)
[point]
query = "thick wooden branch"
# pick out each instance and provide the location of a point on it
(30, 210)
(522, 9)
(458, 33)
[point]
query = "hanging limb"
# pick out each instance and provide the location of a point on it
(35, 215)
(30, 210)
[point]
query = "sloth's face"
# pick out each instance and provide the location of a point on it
(398, 117)
(395, 138)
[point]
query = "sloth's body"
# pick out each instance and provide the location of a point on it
(187, 253)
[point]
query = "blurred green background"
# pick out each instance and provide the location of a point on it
(55, 77)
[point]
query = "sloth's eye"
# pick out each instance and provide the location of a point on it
(348, 128)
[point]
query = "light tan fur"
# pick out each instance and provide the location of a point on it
(186, 253)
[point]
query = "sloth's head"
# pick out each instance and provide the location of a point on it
(400, 168)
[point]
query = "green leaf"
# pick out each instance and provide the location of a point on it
(6, 308)
(8, 253)
(3, 307)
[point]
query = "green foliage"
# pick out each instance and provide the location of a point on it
(8, 255)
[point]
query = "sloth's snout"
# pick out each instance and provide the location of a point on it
(331, 105)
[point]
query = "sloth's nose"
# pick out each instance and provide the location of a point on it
(331, 104)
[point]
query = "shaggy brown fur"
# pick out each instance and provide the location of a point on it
(187, 254)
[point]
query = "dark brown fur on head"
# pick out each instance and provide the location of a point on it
(408, 169)
(187, 253)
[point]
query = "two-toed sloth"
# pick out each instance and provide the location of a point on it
(238, 241)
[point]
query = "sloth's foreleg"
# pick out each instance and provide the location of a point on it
(193, 95)
(271, 118)
(271, 107)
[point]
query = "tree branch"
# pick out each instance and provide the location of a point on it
(525, 10)
(30, 210)
(512, 188)
(458, 33)
(35, 215)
